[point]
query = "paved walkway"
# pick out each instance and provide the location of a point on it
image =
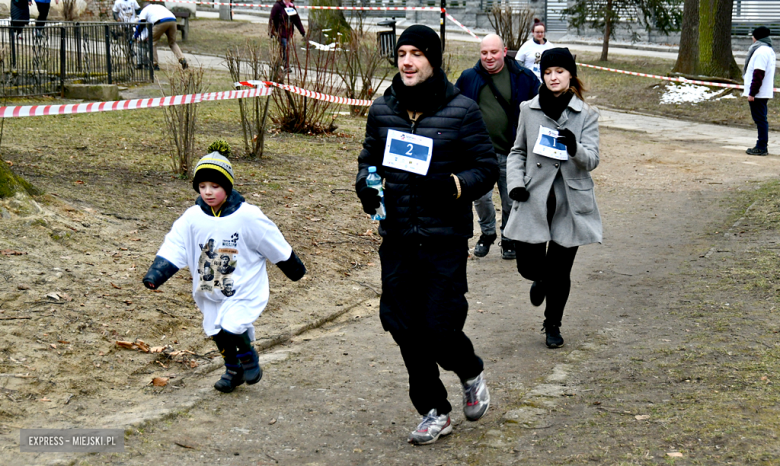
(680, 130)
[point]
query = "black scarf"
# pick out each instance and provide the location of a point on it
(425, 97)
(232, 203)
(553, 106)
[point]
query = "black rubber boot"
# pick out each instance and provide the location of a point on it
(234, 373)
(247, 355)
(232, 378)
(252, 370)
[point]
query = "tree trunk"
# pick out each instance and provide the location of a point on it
(331, 21)
(688, 56)
(607, 31)
(715, 56)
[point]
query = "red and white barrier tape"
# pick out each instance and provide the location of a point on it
(667, 78)
(314, 7)
(70, 109)
(449, 17)
(313, 95)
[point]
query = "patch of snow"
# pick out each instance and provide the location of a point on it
(690, 93)
(327, 48)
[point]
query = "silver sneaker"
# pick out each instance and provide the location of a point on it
(476, 398)
(431, 428)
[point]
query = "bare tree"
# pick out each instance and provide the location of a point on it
(181, 120)
(315, 70)
(513, 25)
(361, 67)
(251, 63)
(69, 10)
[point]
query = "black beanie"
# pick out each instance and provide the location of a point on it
(425, 39)
(761, 32)
(559, 56)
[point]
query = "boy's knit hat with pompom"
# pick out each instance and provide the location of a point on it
(215, 167)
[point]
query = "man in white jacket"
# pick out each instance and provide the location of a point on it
(759, 76)
(531, 52)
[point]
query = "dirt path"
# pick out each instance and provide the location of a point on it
(337, 395)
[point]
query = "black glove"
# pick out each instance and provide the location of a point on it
(519, 194)
(369, 197)
(160, 271)
(438, 188)
(566, 137)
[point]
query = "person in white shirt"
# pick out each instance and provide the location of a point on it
(759, 76)
(125, 11)
(531, 52)
(231, 293)
(164, 22)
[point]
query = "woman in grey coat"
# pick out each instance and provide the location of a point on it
(554, 208)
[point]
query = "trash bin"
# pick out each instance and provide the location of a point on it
(387, 40)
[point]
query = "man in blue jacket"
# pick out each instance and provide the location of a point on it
(498, 86)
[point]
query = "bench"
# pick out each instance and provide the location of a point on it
(185, 26)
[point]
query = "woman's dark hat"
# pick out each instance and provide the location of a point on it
(559, 56)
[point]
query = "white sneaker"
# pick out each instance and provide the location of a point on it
(431, 428)
(476, 398)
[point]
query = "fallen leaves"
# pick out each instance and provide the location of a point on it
(160, 381)
(642, 417)
(134, 345)
(675, 454)
(11, 252)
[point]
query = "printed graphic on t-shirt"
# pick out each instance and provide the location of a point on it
(537, 68)
(216, 266)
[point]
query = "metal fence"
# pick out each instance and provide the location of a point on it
(42, 60)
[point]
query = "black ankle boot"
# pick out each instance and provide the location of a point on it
(232, 378)
(252, 370)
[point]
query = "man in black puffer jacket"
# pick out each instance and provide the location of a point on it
(429, 221)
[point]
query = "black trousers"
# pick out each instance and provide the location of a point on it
(551, 264)
(424, 307)
(20, 15)
(43, 13)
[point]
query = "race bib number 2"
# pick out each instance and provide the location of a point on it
(408, 152)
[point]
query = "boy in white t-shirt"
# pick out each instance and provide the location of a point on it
(531, 52)
(225, 242)
(759, 76)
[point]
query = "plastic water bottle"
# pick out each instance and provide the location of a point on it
(375, 181)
